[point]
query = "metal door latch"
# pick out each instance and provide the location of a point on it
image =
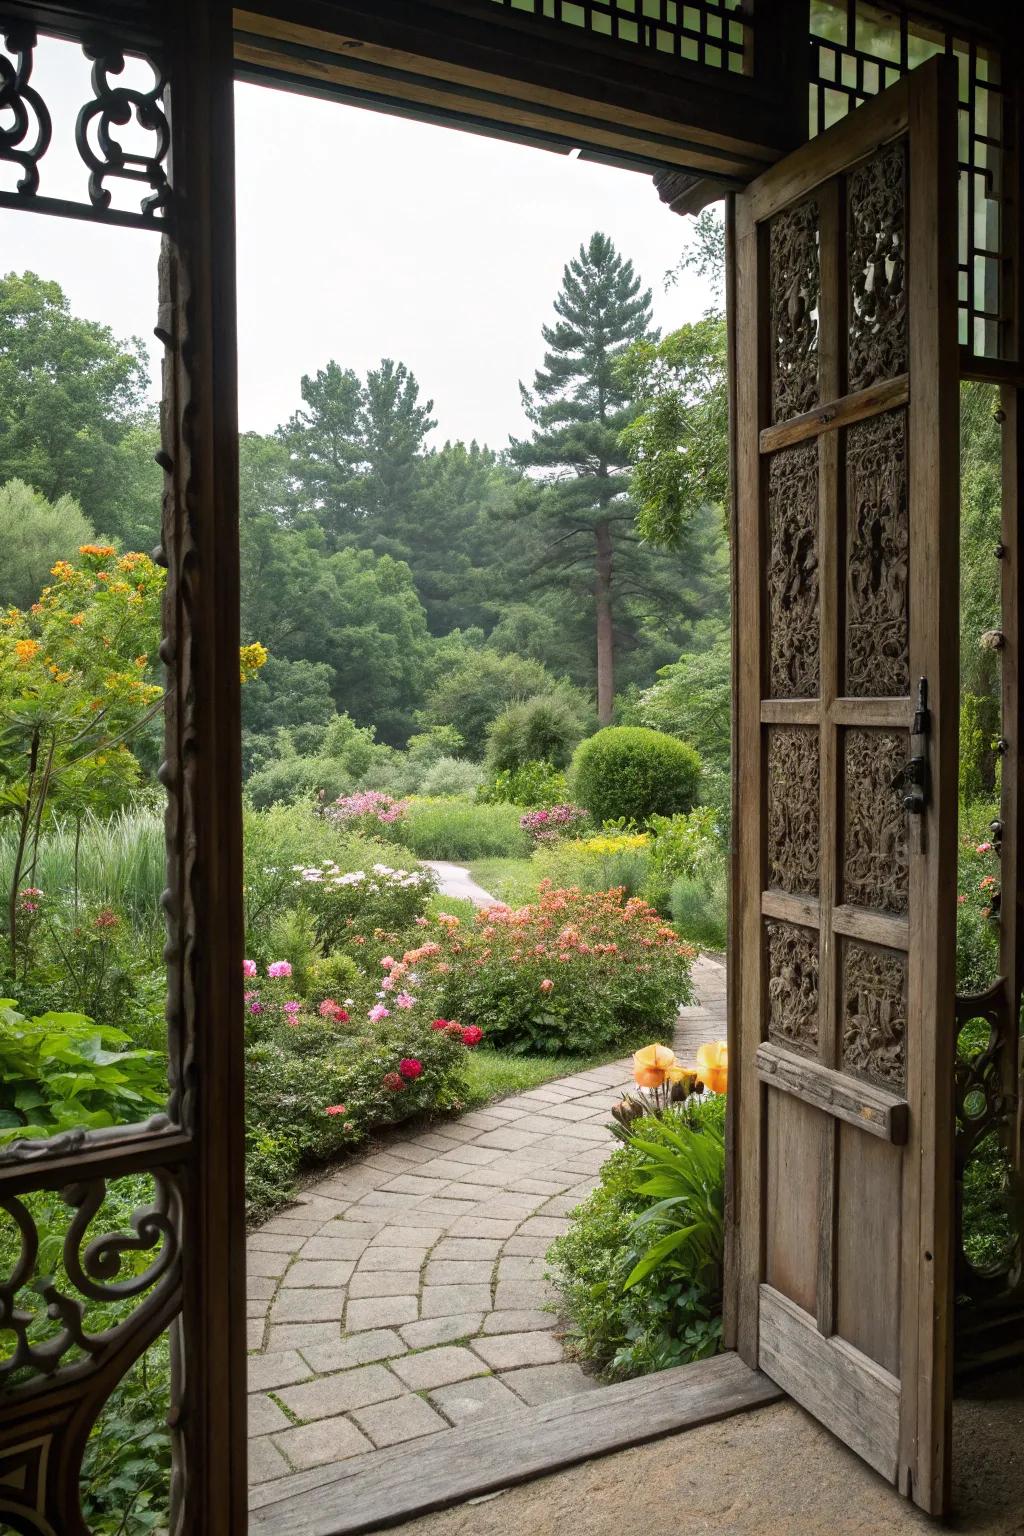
(914, 779)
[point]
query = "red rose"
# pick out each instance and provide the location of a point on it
(410, 1067)
(335, 1109)
(393, 1082)
(472, 1035)
(340, 1016)
(440, 1024)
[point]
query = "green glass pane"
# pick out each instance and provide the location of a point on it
(599, 22)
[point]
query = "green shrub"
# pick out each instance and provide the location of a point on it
(631, 773)
(700, 908)
(458, 828)
(535, 784)
(574, 973)
(336, 976)
(545, 728)
(452, 776)
(669, 1315)
(278, 839)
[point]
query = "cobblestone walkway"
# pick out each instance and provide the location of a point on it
(405, 1292)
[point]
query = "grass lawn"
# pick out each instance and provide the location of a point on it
(511, 880)
(498, 1075)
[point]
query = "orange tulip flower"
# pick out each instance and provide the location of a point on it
(652, 1064)
(713, 1065)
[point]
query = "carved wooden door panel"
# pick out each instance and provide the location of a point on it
(846, 638)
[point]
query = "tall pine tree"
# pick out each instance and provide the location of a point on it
(580, 509)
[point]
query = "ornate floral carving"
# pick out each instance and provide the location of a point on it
(793, 809)
(792, 574)
(793, 284)
(116, 106)
(793, 987)
(876, 219)
(874, 993)
(876, 870)
(92, 1267)
(21, 106)
(877, 558)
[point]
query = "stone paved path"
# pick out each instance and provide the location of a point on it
(455, 880)
(405, 1292)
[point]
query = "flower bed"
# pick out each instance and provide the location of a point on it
(576, 971)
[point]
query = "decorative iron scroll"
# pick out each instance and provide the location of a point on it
(793, 809)
(794, 292)
(985, 1124)
(877, 558)
(92, 1268)
(26, 132)
(25, 127)
(874, 1001)
(877, 221)
(116, 105)
(876, 862)
(793, 987)
(792, 573)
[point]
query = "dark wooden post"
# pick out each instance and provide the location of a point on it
(203, 769)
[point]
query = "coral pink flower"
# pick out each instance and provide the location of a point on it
(387, 962)
(248, 967)
(393, 1082)
(327, 1007)
(335, 1109)
(546, 984)
(410, 1067)
(378, 1012)
(405, 1000)
(279, 968)
(472, 1035)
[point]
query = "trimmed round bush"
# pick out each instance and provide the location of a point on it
(628, 772)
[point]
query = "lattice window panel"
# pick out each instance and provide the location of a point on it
(858, 49)
(715, 33)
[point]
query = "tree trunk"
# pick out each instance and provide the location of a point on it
(605, 634)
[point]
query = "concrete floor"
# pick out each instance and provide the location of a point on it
(772, 1472)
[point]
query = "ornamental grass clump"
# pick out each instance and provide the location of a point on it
(574, 972)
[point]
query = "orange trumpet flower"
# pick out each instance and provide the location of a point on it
(713, 1065)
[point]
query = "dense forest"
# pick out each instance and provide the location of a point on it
(401, 586)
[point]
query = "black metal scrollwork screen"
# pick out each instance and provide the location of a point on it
(90, 1275)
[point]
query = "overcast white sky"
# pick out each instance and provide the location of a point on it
(363, 236)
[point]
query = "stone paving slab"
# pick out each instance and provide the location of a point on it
(405, 1292)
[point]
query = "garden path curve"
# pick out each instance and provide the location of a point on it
(456, 880)
(404, 1292)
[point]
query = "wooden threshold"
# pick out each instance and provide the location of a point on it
(382, 1489)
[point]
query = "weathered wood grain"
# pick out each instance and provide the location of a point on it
(860, 1103)
(380, 1489)
(851, 1395)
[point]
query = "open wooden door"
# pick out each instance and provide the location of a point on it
(846, 443)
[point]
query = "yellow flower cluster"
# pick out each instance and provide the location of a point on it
(604, 843)
(250, 659)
